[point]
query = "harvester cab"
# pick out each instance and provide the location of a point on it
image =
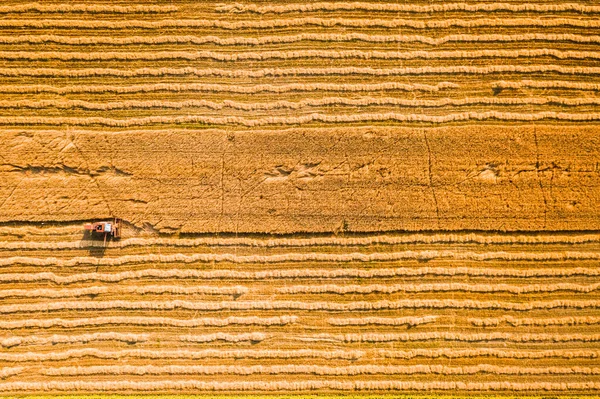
(105, 230)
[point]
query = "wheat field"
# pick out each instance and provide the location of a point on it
(323, 197)
(418, 312)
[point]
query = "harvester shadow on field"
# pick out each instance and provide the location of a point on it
(95, 247)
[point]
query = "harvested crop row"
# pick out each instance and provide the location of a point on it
(69, 339)
(515, 321)
(391, 7)
(304, 257)
(39, 231)
(6, 372)
(281, 39)
(451, 353)
(358, 306)
(383, 321)
(293, 55)
(547, 84)
(148, 321)
(303, 103)
(299, 22)
(174, 289)
(308, 385)
(87, 8)
(317, 370)
(458, 337)
(304, 119)
(301, 71)
(140, 290)
(218, 88)
(441, 287)
(314, 241)
(297, 273)
(253, 337)
(129, 338)
(297, 354)
(182, 354)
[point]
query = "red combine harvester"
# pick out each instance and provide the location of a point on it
(108, 230)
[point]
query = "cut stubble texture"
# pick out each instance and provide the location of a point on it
(317, 197)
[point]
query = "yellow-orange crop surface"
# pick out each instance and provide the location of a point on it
(456, 312)
(321, 197)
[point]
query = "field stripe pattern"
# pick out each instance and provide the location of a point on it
(88, 37)
(277, 317)
(215, 83)
(317, 197)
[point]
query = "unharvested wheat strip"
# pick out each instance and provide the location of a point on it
(439, 287)
(451, 353)
(452, 336)
(293, 55)
(6, 372)
(555, 321)
(148, 321)
(358, 306)
(368, 369)
(253, 337)
(70, 339)
(304, 119)
(298, 22)
(140, 290)
(217, 88)
(383, 321)
(182, 354)
(86, 8)
(306, 385)
(547, 84)
(308, 242)
(267, 72)
(281, 39)
(303, 103)
(391, 7)
(303, 257)
(298, 273)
